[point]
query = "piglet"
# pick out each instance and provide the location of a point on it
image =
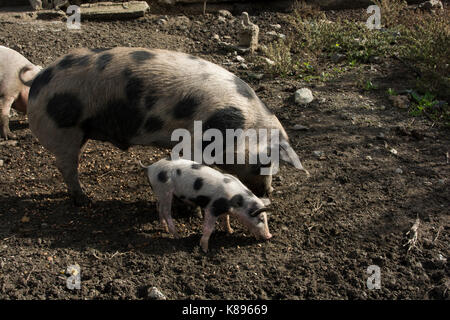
(16, 76)
(216, 193)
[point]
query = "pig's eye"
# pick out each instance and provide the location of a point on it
(260, 219)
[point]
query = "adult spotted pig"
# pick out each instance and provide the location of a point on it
(138, 96)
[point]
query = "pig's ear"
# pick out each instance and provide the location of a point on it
(288, 155)
(266, 201)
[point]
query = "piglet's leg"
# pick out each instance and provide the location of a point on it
(208, 228)
(165, 213)
(5, 107)
(225, 220)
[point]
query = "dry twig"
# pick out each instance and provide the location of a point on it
(413, 236)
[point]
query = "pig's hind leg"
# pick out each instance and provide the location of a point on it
(5, 107)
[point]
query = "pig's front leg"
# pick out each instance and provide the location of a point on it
(165, 213)
(5, 107)
(208, 228)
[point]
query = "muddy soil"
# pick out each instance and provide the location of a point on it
(353, 212)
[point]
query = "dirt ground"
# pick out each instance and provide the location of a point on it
(354, 211)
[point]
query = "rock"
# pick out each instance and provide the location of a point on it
(155, 294)
(239, 59)
(275, 26)
(1, 162)
(369, 158)
(36, 4)
(319, 154)
(303, 96)
(50, 14)
(401, 102)
(110, 10)
(225, 13)
(249, 33)
(243, 66)
(338, 57)
(257, 76)
(268, 61)
(11, 143)
(216, 37)
(222, 19)
(162, 21)
(431, 5)
(299, 127)
(393, 151)
(398, 171)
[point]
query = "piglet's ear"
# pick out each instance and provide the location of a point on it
(266, 201)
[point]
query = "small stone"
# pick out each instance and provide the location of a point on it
(393, 151)
(380, 135)
(300, 127)
(222, 19)
(257, 76)
(243, 66)
(225, 13)
(268, 61)
(1, 162)
(318, 154)
(369, 158)
(398, 171)
(431, 5)
(401, 102)
(11, 143)
(303, 96)
(338, 57)
(239, 59)
(275, 26)
(155, 294)
(216, 37)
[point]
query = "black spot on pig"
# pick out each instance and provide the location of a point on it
(237, 201)
(103, 61)
(65, 109)
(41, 80)
(71, 60)
(162, 176)
(220, 206)
(198, 184)
(227, 180)
(205, 76)
(190, 56)
(153, 123)
(196, 166)
(201, 201)
(178, 172)
(227, 118)
(117, 122)
(253, 207)
(243, 88)
(99, 50)
(150, 101)
(141, 56)
(186, 107)
(134, 89)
